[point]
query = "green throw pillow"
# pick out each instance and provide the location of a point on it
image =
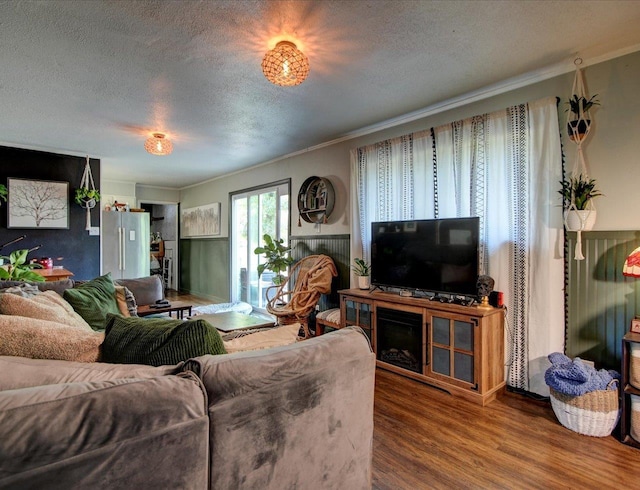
(158, 341)
(93, 300)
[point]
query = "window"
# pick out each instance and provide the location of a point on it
(255, 212)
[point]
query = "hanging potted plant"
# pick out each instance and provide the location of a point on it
(87, 198)
(3, 193)
(363, 270)
(278, 258)
(577, 193)
(580, 121)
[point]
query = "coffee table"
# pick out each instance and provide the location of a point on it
(232, 320)
(178, 306)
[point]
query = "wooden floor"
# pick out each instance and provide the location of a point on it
(425, 438)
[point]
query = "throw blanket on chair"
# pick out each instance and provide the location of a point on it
(313, 277)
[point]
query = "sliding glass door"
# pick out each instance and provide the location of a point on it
(255, 212)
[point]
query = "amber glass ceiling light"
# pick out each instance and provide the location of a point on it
(158, 144)
(285, 65)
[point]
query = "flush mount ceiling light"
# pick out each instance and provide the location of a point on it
(285, 65)
(158, 144)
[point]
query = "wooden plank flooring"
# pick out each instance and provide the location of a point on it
(425, 438)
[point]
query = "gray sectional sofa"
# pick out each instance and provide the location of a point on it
(293, 417)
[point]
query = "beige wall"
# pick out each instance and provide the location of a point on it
(612, 150)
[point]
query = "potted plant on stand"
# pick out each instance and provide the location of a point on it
(363, 270)
(580, 121)
(278, 258)
(577, 193)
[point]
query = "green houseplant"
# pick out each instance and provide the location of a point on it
(579, 106)
(87, 198)
(3, 192)
(277, 255)
(362, 269)
(577, 193)
(17, 268)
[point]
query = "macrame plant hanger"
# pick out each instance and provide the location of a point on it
(578, 130)
(87, 183)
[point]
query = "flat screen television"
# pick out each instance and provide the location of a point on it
(435, 255)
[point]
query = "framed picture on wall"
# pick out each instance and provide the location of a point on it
(42, 204)
(201, 221)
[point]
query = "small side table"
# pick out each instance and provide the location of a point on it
(178, 306)
(54, 274)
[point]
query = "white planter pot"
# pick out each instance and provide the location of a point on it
(580, 220)
(364, 282)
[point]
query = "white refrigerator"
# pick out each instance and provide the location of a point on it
(126, 244)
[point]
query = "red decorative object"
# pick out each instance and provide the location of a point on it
(631, 266)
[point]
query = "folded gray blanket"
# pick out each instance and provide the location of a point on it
(575, 378)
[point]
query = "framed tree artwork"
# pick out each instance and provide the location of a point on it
(201, 221)
(41, 204)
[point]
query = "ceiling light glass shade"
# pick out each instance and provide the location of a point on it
(158, 144)
(631, 266)
(285, 65)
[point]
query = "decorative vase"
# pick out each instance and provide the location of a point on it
(364, 282)
(583, 220)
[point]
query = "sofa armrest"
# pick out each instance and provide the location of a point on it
(297, 416)
(118, 434)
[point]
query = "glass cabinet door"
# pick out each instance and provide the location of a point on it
(452, 347)
(358, 312)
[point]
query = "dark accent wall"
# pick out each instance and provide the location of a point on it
(74, 248)
(600, 301)
(204, 268)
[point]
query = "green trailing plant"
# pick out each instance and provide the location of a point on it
(360, 267)
(84, 194)
(578, 191)
(3, 192)
(277, 255)
(576, 101)
(16, 267)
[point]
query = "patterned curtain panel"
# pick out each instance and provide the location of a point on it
(505, 168)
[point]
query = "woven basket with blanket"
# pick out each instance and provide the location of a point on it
(584, 400)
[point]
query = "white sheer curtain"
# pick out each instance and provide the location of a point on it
(504, 167)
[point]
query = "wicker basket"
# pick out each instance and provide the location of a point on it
(593, 414)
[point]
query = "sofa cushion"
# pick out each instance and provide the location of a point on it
(146, 290)
(43, 339)
(117, 434)
(93, 300)
(158, 341)
(126, 301)
(45, 306)
(20, 372)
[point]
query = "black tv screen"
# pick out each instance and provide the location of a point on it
(436, 255)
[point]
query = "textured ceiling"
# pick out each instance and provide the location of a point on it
(96, 77)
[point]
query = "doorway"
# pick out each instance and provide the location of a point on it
(164, 241)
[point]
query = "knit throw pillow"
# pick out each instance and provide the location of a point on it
(158, 341)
